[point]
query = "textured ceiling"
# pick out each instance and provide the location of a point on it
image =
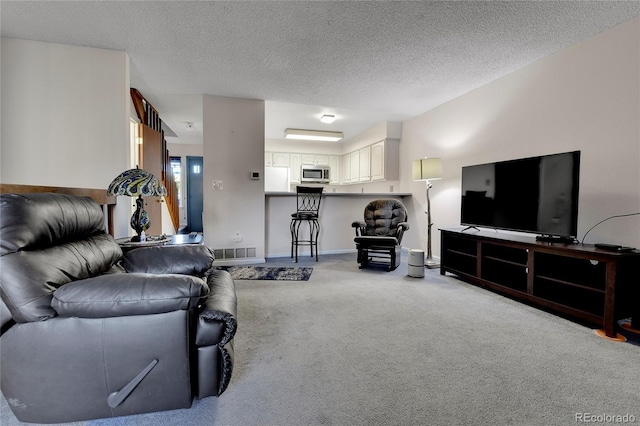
(366, 62)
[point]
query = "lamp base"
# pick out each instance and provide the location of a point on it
(139, 220)
(431, 264)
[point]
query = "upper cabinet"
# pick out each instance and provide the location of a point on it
(376, 162)
(315, 159)
(293, 160)
(385, 160)
(380, 161)
(276, 159)
(346, 169)
(364, 173)
(335, 165)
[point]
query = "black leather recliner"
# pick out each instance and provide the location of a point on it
(379, 237)
(88, 332)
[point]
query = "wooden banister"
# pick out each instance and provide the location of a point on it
(150, 117)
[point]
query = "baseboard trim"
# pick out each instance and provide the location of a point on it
(307, 254)
(245, 261)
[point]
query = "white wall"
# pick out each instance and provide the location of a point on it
(65, 116)
(586, 97)
(233, 147)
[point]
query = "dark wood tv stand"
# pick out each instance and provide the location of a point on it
(596, 286)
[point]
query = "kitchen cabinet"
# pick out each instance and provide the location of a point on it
(346, 168)
(335, 165)
(364, 172)
(295, 161)
(385, 160)
(315, 159)
(376, 162)
(276, 159)
(354, 167)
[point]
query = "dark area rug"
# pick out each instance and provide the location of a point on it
(268, 273)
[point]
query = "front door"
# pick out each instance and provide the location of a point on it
(194, 194)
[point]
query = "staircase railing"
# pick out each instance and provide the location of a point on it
(150, 117)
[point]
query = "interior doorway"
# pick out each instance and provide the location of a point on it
(194, 194)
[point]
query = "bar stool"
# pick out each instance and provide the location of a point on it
(308, 203)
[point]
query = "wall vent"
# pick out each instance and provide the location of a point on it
(234, 253)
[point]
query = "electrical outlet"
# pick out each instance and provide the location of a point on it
(217, 185)
(237, 237)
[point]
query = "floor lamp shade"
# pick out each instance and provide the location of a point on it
(427, 169)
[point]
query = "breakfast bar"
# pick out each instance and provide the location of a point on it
(337, 211)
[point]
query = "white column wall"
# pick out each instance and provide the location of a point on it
(65, 117)
(234, 147)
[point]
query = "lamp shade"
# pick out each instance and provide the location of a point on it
(427, 169)
(136, 182)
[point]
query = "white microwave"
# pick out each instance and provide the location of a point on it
(313, 173)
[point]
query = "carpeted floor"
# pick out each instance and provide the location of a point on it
(367, 347)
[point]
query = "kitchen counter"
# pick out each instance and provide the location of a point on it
(343, 194)
(337, 211)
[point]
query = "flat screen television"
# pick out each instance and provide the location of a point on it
(536, 195)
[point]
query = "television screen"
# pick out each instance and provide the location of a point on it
(537, 194)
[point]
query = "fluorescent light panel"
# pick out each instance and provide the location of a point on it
(313, 135)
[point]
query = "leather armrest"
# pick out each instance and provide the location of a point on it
(217, 320)
(191, 259)
(116, 295)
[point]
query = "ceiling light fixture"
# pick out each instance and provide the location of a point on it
(327, 118)
(313, 135)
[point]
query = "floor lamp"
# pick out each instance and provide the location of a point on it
(428, 169)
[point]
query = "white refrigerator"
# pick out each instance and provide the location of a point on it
(276, 179)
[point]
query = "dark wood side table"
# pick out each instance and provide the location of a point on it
(180, 239)
(169, 240)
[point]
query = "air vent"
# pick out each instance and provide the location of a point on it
(234, 253)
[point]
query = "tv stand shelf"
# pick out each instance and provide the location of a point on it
(577, 280)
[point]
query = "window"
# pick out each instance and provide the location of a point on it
(176, 169)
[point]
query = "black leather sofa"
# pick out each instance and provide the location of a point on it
(89, 332)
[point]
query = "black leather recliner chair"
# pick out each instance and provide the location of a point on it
(379, 237)
(88, 332)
